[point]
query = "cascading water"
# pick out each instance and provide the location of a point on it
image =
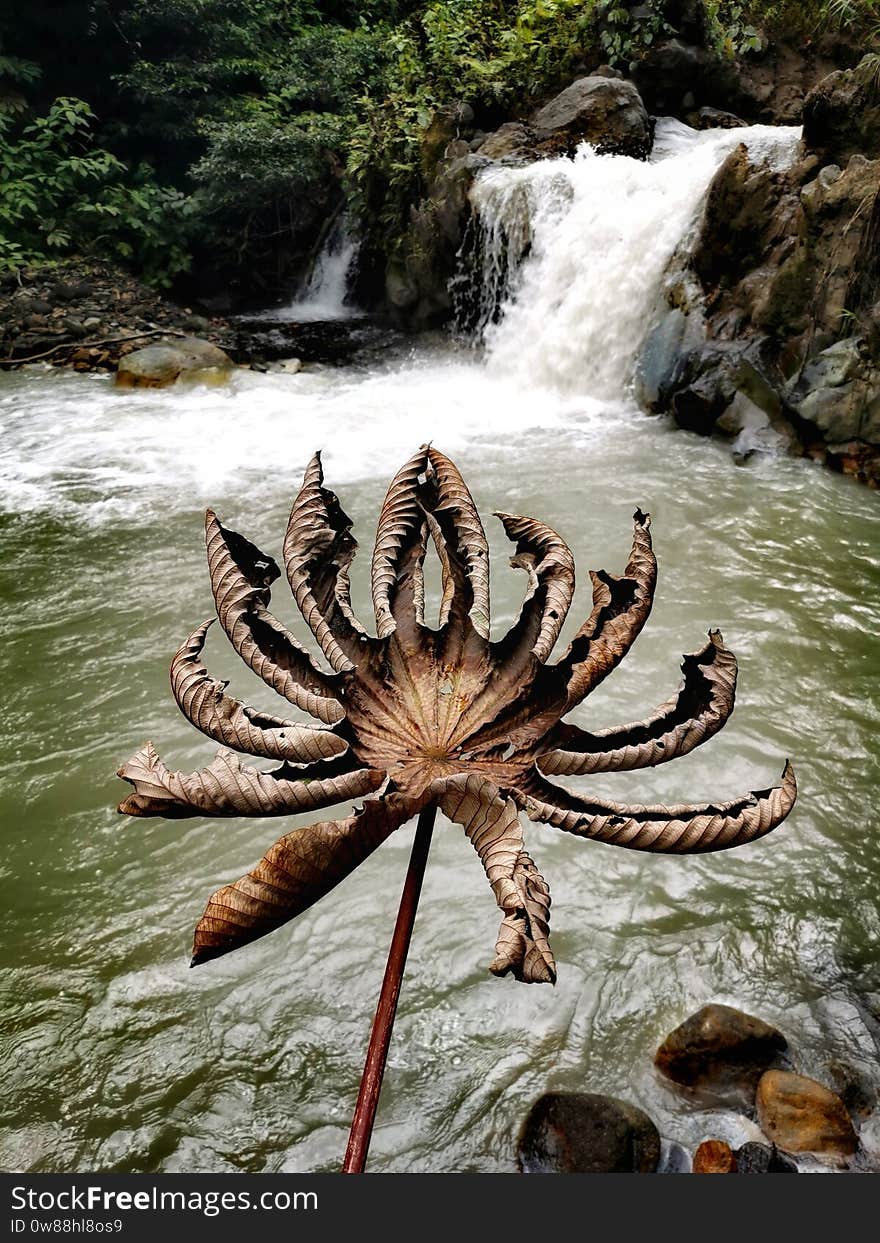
(573, 252)
(325, 295)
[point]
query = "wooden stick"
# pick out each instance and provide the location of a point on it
(9, 362)
(380, 1035)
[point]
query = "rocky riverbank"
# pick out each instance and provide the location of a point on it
(742, 1070)
(88, 314)
(772, 331)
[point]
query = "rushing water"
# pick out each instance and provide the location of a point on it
(326, 292)
(600, 231)
(116, 1056)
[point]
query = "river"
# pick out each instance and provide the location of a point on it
(115, 1056)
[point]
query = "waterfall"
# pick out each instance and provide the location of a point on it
(325, 293)
(572, 253)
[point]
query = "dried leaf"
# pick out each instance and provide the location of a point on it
(684, 828)
(493, 826)
(227, 788)
(203, 702)
(685, 721)
(240, 579)
(293, 874)
(431, 715)
(318, 551)
(620, 609)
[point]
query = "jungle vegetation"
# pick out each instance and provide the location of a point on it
(166, 133)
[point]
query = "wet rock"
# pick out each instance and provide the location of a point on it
(62, 292)
(673, 69)
(513, 141)
(448, 125)
(800, 1115)
(417, 277)
(663, 359)
(196, 324)
(674, 1158)
(718, 1044)
(842, 115)
(714, 1156)
(161, 364)
(838, 392)
(761, 1159)
(583, 1133)
(33, 306)
(714, 118)
(606, 112)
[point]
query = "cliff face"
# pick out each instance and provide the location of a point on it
(773, 330)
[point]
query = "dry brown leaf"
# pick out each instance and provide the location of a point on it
(427, 716)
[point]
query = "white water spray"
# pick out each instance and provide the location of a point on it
(575, 251)
(325, 294)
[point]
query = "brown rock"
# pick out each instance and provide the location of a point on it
(158, 365)
(800, 1115)
(718, 1044)
(714, 1157)
(842, 115)
(585, 1133)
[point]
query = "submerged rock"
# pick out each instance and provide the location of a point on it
(158, 365)
(607, 112)
(761, 1159)
(584, 1133)
(800, 1115)
(714, 1156)
(720, 1045)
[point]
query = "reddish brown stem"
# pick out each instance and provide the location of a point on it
(380, 1036)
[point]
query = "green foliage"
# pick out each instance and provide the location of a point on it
(792, 19)
(494, 56)
(60, 193)
(260, 113)
(861, 17)
(731, 28)
(625, 32)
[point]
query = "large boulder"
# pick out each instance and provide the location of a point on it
(838, 392)
(800, 1115)
(161, 364)
(675, 74)
(718, 1044)
(842, 115)
(584, 1133)
(606, 112)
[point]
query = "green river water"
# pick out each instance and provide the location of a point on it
(115, 1056)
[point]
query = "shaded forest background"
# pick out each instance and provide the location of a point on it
(212, 141)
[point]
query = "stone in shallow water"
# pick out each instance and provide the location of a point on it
(714, 1157)
(158, 365)
(800, 1115)
(585, 1133)
(718, 1045)
(761, 1159)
